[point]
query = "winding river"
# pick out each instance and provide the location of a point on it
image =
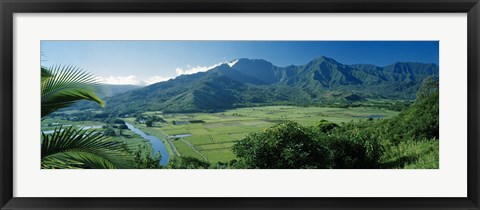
(157, 144)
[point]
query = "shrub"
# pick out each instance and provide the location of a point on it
(119, 121)
(353, 149)
(285, 145)
(109, 132)
(325, 126)
(188, 163)
(290, 145)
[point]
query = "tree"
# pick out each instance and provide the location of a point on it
(285, 145)
(122, 127)
(188, 163)
(325, 145)
(145, 160)
(325, 126)
(119, 121)
(109, 132)
(352, 145)
(149, 122)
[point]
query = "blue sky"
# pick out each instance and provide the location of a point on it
(146, 62)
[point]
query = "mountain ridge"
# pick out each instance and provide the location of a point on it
(257, 81)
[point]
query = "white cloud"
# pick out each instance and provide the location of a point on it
(198, 68)
(156, 79)
(232, 63)
(195, 69)
(134, 80)
(119, 80)
(131, 80)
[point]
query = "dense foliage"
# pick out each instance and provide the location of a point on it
(286, 145)
(187, 163)
(145, 160)
(404, 141)
(290, 145)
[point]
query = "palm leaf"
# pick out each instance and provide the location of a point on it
(64, 85)
(76, 159)
(71, 148)
(45, 73)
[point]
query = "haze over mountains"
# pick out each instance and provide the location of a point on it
(256, 81)
(109, 90)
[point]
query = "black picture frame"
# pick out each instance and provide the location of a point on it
(10, 7)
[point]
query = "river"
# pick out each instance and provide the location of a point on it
(157, 144)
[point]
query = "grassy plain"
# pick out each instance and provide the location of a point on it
(213, 134)
(52, 123)
(134, 141)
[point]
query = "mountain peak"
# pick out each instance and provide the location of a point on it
(223, 67)
(324, 59)
(251, 81)
(232, 63)
(257, 64)
(258, 69)
(256, 61)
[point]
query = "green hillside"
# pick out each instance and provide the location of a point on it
(253, 82)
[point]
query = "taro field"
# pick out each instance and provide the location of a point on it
(210, 136)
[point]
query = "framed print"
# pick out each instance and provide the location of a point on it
(239, 105)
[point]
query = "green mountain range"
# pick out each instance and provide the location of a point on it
(251, 82)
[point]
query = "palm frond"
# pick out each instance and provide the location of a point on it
(75, 159)
(64, 85)
(72, 148)
(45, 73)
